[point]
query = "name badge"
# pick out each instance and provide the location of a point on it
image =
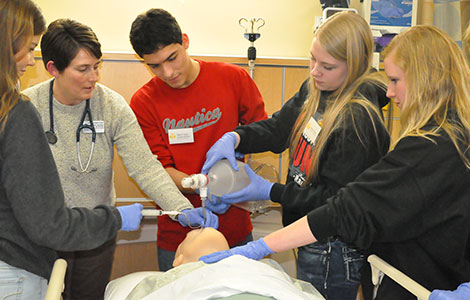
(312, 130)
(99, 126)
(181, 136)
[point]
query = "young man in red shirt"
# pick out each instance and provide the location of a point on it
(183, 110)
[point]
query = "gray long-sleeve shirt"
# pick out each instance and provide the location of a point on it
(33, 218)
(120, 129)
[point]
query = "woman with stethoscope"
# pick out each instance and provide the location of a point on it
(83, 121)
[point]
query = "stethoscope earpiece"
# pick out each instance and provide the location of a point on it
(51, 137)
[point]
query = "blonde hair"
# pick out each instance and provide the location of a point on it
(17, 27)
(439, 85)
(466, 43)
(347, 37)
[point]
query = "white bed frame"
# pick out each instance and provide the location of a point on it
(380, 267)
(56, 282)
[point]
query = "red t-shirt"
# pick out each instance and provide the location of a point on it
(222, 97)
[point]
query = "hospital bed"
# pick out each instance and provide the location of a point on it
(380, 267)
(56, 282)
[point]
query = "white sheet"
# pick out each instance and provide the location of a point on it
(231, 276)
(119, 288)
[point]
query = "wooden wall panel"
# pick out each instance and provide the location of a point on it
(34, 75)
(134, 257)
(124, 76)
(269, 82)
(294, 78)
(277, 80)
(125, 186)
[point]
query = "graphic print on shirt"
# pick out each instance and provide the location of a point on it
(302, 158)
(199, 121)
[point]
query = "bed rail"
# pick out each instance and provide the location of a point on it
(380, 267)
(56, 282)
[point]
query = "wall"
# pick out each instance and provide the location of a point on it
(212, 25)
(277, 80)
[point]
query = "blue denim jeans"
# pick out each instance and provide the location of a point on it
(166, 257)
(18, 284)
(333, 268)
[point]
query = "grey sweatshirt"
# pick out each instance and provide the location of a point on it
(33, 218)
(121, 130)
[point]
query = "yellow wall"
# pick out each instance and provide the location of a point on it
(212, 25)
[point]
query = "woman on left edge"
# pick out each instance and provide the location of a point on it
(33, 218)
(72, 54)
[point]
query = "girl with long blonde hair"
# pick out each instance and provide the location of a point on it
(438, 102)
(16, 23)
(334, 130)
(466, 43)
(411, 208)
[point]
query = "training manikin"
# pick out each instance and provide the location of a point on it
(199, 242)
(237, 276)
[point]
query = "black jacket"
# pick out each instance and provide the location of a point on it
(342, 160)
(412, 209)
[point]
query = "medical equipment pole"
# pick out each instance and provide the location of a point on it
(252, 36)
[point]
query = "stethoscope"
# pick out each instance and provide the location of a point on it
(52, 137)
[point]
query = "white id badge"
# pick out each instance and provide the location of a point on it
(312, 130)
(180, 136)
(99, 126)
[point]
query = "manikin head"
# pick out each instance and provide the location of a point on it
(199, 242)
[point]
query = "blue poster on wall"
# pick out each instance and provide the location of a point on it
(391, 13)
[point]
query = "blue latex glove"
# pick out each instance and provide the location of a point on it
(255, 250)
(223, 148)
(194, 218)
(217, 206)
(131, 215)
(461, 293)
(258, 189)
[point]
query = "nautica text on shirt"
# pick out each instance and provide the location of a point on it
(199, 121)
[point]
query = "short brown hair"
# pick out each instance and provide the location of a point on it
(64, 38)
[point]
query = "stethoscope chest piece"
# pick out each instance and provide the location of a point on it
(51, 137)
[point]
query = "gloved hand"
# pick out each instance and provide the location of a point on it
(258, 189)
(131, 215)
(461, 293)
(255, 250)
(194, 218)
(223, 148)
(214, 204)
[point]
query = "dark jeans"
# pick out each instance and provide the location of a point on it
(166, 257)
(333, 268)
(88, 272)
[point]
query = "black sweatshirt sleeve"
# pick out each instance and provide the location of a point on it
(273, 134)
(358, 144)
(390, 201)
(32, 187)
